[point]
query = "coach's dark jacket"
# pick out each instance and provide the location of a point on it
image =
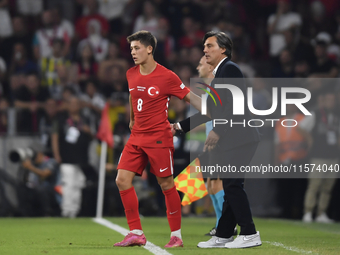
(237, 135)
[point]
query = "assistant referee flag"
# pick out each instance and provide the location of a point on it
(191, 183)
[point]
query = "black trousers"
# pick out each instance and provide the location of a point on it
(236, 208)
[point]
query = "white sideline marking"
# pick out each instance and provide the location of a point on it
(289, 248)
(149, 246)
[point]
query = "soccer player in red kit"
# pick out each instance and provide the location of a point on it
(151, 85)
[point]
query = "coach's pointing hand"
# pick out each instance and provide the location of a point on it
(211, 141)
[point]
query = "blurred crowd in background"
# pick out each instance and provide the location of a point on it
(64, 58)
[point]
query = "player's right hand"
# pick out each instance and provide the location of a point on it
(173, 129)
(132, 122)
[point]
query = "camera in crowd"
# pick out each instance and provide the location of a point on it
(20, 154)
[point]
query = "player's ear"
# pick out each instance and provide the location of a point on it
(223, 50)
(149, 49)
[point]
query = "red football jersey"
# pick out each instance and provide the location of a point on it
(150, 95)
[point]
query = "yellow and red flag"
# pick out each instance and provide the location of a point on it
(191, 183)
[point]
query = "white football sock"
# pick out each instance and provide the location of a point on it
(176, 233)
(137, 232)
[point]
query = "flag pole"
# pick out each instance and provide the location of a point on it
(101, 181)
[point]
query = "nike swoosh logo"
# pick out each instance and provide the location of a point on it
(247, 238)
(131, 89)
(218, 242)
(173, 212)
(162, 170)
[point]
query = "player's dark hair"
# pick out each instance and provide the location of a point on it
(223, 41)
(145, 38)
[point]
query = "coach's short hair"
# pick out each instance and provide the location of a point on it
(223, 41)
(145, 38)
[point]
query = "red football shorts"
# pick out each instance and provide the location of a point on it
(135, 158)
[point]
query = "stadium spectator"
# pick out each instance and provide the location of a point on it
(321, 130)
(195, 55)
(177, 10)
(317, 21)
(99, 44)
(67, 93)
(70, 142)
(46, 124)
(92, 105)
(85, 67)
(165, 42)
(15, 83)
(49, 66)
(64, 81)
(44, 37)
(20, 62)
(299, 49)
(113, 80)
(66, 8)
(113, 11)
(282, 20)
(290, 148)
(60, 21)
(242, 40)
(192, 34)
(302, 68)
(114, 58)
(36, 195)
(91, 14)
(324, 67)
(148, 20)
(29, 99)
(6, 29)
(285, 68)
(20, 35)
(185, 72)
(30, 8)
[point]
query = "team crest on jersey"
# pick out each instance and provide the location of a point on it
(153, 91)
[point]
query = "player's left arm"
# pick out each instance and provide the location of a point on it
(194, 100)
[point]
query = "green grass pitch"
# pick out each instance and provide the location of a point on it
(83, 236)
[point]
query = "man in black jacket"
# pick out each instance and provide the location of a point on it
(232, 144)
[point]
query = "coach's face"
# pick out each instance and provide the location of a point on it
(139, 52)
(203, 68)
(213, 52)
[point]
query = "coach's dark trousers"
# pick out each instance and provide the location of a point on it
(236, 208)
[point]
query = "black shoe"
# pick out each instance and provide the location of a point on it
(211, 232)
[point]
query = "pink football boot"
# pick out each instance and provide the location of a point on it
(132, 240)
(174, 242)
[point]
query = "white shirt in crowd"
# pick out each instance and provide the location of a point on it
(30, 7)
(150, 25)
(277, 40)
(112, 9)
(6, 29)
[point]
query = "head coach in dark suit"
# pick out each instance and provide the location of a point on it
(233, 145)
